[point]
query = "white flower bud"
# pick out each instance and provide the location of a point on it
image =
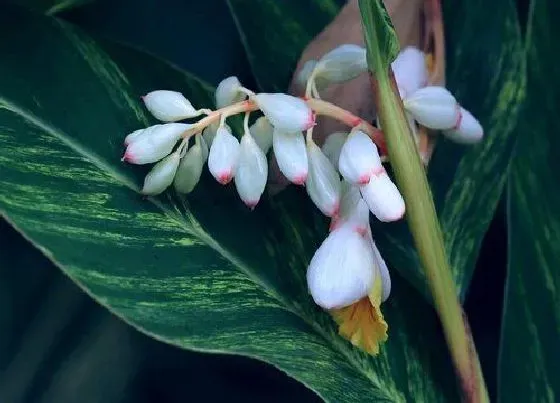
(468, 131)
(433, 107)
(286, 113)
(333, 145)
(323, 182)
(223, 157)
(133, 136)
(261, 131)
(305, 72)
(354, 211)
(341, 271)
(228, 92)
(210, 131)
(383, 198)
(190, 168)
(154, 143)
(359, 158)
(161, 175)
(251, 172)
(342, 63)
(410, 71)
(203, 147)
(291, 156)
(169, 106)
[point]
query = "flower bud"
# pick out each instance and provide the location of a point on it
(410, 71)
(342, 63)
(305, 72)
(291, 156)
(133, 136)
(467, 131)
(161, 175)
(169, 106)
(286, 113)
(354, 211)
(359, 159)
(341, 270)
(203, 147)
(228, 92)
(154, 143)
(323, 182)
(261, 131)
(251, 172)
(433, 107)
(223, 157)
(210, 131)
(333, 145)
(383, 198)
(190, 168)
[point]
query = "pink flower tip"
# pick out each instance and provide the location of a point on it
(300, 179)
(127, 157)
(334, 213)
(310, 121)
(225, 178)
(364, 179)
(251, 204)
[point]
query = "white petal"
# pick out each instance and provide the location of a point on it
(228, 92)
(154, 143)
(333, 145)
(341, 271)
(323, 181)
(353, 209)
(190, 169)
(433, 107)
(261, 131)
(251, 172)
(161, 175)
(133, 136)
(169, 106)
(291, 155)
(286, 113)
(381, 268)
(410, 70)
(223, 157)
(469, 130)
(342, 63)
(359, 158)
(383, 198)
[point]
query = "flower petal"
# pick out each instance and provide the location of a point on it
(410, 70)
(190, 169)
(169, 106)
(359, 158)
(154, 143)
(468, 131)
(228, 92)
(262, 131)
(161, 175)
(343, 63)
(251, 172)
(383, 198)
(291, 156)
(286, 113)
(323, 181)
(433, 107)
(223, 157)
(333, 145)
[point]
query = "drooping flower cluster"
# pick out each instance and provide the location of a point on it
(344, 177)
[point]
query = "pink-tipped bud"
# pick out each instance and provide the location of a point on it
(291, 156)
(251, 172)
(169, 106)
(354, 211)
(133, 136)
(467, 130)
(433, 107)
(262, 131)
(223, 157)
(161, 175)
(410, 71)
(342, 63)
(323, 182)
(359, 158)
(305, 72)
(190, 168)
(229, 92)
(154, 143)
(333, 145)
(286, 113)
(383, 198)
(341, 270)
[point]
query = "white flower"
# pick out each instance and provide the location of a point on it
(333, 145)
(228, 92)
(433, 107)
(251, 172)
(169, 106)
(354, 211)
(154, 143)
(381, 268)
(323, 182)
(468, 131)
(161, 175)
(134, 135)
(383, 198)
(410, 70)
(286, 113)
(261, 131)
(190, 167)
(342, 63)
(341, 271)
(291, 156)
(359, 158)
(223, 157)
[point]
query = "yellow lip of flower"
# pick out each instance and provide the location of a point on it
(362, 322)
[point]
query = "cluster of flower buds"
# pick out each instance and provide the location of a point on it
(344, 177)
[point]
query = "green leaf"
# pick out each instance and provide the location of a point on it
(203, 273)
(50, 7)
(379, 34)
(530, 354)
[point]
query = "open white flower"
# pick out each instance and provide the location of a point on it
(153, 143)
(223, 157)
(323, 181)
(169, 106)
(291, 155)
(251, 171)
(359, 158)
(285, 112)
(161, 175)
